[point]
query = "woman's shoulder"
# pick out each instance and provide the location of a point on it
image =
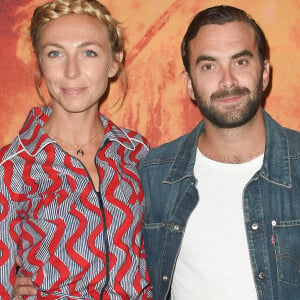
(9, 151)
(127, 137)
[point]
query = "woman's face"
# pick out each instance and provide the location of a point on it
(76, 61)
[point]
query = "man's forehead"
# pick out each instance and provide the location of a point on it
(223, 38)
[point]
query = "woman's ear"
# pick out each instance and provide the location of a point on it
(188, 85)
(115, 66)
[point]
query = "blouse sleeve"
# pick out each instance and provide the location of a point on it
(9, 240)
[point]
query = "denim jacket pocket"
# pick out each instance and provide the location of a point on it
(286, 236)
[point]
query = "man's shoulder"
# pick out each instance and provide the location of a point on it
(165, 152)
(168, 151)
(294, 134)
(280, 136)
(293, 138)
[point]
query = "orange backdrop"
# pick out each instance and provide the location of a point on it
(156, 104)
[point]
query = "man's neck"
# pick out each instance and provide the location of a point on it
(234, 145)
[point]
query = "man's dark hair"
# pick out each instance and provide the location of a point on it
(219, 15)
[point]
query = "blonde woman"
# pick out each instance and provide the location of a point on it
(71, 201)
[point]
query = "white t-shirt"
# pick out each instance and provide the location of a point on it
(214, 262)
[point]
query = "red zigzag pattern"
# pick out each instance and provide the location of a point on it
(52, 215)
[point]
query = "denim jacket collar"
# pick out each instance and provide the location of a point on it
(276, 164)
(184, 162)
(276, 167)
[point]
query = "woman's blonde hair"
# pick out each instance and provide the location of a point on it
(58, 8)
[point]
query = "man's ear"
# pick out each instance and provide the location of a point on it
(115, 66)
(188, 85)
(266, 74)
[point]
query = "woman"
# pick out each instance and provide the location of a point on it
(71, 202)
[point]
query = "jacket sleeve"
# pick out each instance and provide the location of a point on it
(9, 239)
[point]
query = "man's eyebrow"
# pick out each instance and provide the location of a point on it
(211, 58)
(205, 57)
(242, 53)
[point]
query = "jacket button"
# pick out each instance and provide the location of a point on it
(254, 226)
(176, 227)
(165, 278)
(261, 275)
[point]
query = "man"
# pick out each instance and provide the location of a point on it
(223, 202)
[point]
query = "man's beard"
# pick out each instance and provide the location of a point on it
(233, 117)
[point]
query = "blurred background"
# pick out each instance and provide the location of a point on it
(156, 104)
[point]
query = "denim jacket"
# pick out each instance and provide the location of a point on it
(271, 202)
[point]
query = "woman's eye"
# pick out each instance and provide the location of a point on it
(90, 53)
(53, 54)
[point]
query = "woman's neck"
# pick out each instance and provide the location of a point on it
(74, 128)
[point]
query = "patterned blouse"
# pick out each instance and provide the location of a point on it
(75, 243)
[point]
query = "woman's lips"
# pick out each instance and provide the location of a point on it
(73, 91)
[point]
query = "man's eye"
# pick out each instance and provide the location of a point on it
(207, 67)
(53, 54)
(90, 53)
(242, 62)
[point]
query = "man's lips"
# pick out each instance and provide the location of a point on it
(232, 99)
(73, 91)
(230, 96)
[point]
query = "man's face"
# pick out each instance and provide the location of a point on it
(226, 76)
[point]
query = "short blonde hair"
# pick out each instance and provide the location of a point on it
(58, 8)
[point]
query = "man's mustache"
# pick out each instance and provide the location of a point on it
(237, 92)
